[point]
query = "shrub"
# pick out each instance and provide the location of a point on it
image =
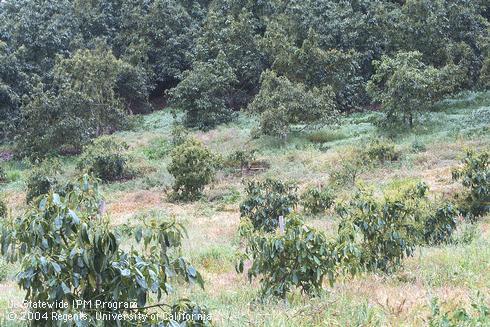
(465, 233)
(105, 157)
(418, 146)
(42, 178)
(317, 199)
(193, 167)
(388, 230)
(350, 166)
(301, 257)
(179, 134)
(380, 151)
(267, 200)
(241, 159)
(474, 174)
(440, 224)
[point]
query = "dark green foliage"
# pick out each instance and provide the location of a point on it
(267, 200)
(218, 51)
(236, 35)
(106, 159)
(193, 167)
(70, 252)
(388, 230)
(474, 174)
(317, 199)
(204, 93)
(317, 67)
(479, 315)
(301, 257)
(42, 178)
(282, 103)
(440, 225)
(82, 104)
(404, 86)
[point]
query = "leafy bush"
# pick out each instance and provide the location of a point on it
(193, 167)
(179, 134)
(69, 252)
(267, 200)
(317, 199)
(478, 316)
(105, 157)
(283, 103)
(350, 166)
(42, 178)
(204, 93)
(301, 257)
(388, 230)
(474, 174)
(440, 225)
(380, 151)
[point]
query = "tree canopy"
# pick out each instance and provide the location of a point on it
(216, 51)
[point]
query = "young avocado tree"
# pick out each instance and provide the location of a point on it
(193, 167)
(300, 257)
(70, 253)
(474, 174)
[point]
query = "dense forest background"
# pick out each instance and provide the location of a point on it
(73, 70)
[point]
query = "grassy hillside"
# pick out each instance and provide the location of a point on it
(454, 274)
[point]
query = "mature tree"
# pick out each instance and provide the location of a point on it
(405, 86)
(236, 36)
(316, 67)
(282, 104)
(205, 93)
(82, 104)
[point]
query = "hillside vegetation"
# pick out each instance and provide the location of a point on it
(244, 163)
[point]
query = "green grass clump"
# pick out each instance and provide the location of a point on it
(326, 136)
